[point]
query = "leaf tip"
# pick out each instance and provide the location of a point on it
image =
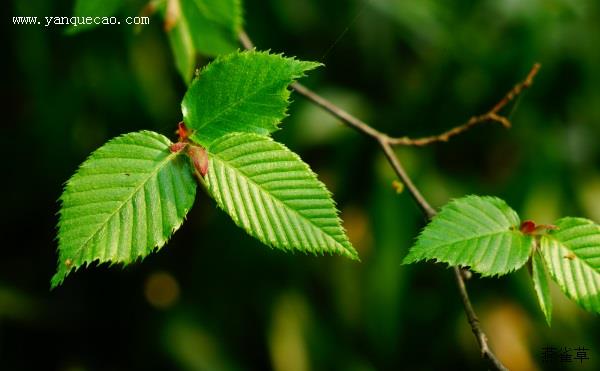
(351, 253)
(411, 257)
(309, 65)
(57, 279)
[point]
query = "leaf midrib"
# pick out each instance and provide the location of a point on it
(152, 174)
(232, 105)
(474, 238)
(287, 207)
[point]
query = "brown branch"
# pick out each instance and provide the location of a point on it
(518, 88)
(361, 126)
(475, 324)
(493, 115)
(427, 210)
(336, 111)
(386, 143)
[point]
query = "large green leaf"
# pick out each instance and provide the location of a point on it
(572, 254)
(541, 285)
(269, 192)
(125, 200)
(93, 8)
(479, 232)
(240, 92)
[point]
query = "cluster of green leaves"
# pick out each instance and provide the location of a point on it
(131, 194)
(135, 191)
(486, 235)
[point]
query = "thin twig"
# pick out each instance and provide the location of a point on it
(518, 88)
(428, 211)
(336, 111)
(363, 127)
(386, 143)
(493, 115)
(475, 324)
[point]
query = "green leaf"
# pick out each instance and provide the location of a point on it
(274, 196)
(214, 24)
(572, 254)
(541, 285)
(480, 232)
(241, 92)
(226, 13)
(93, 8)
(125, 200)
(208, 27)
(182, 45)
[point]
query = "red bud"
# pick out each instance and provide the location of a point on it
(183, 132)
(528, 227)
(199, 159)
(177, 147)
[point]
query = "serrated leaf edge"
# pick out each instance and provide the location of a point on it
(546, 311)
(307, 66)
(59, 277)
(410, 257)
(347, 251)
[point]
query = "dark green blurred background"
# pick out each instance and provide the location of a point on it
(214, 298)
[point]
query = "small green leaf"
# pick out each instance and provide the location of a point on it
(479, 232)
(93, 8)
(541, 285)
(208, 27)
(572, 254)
(274, 196)
(182, 44)
(240, 92)
(125, 200)
(226, 13)
(214, 24)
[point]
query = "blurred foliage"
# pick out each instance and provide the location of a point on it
(409, 68)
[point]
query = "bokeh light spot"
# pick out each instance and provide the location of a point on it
(161, 290)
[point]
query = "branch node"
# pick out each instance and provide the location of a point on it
(492, 116)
